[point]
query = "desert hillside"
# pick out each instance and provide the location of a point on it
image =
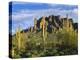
(50, 36)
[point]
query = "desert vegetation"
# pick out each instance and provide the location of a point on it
(50, 36)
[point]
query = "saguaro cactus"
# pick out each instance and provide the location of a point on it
(42, 26)
(18, 37)
(35, 23)
(21, 38)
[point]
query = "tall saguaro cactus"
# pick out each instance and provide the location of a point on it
(21, 39)
(42, 26)
(18, 37)
(35, 23)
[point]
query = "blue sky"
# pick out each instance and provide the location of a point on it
(23, 13)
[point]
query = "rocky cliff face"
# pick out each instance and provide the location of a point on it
(53, 23)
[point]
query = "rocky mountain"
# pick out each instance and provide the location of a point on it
(54, 22)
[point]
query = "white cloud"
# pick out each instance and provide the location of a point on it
(28, 15)
(24, 14)
(21, 16)
(75, 11)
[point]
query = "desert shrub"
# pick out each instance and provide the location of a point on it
(31, 44)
